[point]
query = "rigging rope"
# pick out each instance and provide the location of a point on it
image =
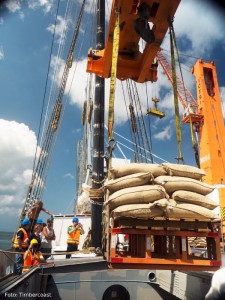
(40, 172)
(131, 108)
(149, 125)
(25, 207)
(194, 144)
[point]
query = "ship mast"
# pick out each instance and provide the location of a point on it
(98, 133)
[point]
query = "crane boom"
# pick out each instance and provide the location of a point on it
(184, 94)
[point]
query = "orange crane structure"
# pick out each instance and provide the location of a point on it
(211, 129)
(171, 247)
(135, 16)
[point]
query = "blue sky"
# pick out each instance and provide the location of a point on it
(25, 41)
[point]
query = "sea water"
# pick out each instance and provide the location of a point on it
(5, 240)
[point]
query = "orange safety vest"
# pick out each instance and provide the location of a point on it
(15, 241)
(73, 237)
(30, 259)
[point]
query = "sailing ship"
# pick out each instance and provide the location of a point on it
(89, 276)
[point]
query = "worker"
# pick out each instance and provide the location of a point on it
(217, 289)
(34, 211)
(47, 236)
(74, 231)
(32, 256)
(20, 244)
(36, 234)
(87, 240)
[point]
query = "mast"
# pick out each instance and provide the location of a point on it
(98, 133)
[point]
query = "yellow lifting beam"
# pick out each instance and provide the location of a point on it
(154, 111)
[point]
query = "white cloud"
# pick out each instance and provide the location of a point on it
(13, 5)
(222, 96)
(60, 28)
(1, 53)
(201, 24)
(17, 150)
(46, 5)
(165, 134)
(68, 175)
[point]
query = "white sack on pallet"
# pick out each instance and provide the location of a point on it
(175, 183)
(155, 169)
(128, 181)
(137, 211)
(194, 198)
(183, 171)
(190, 211)
(139, 195)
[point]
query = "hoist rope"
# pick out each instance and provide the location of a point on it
(137, 152)
(140, 134)
(194, 144)
(145, 136)
(149, 125)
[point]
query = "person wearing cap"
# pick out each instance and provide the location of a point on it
(32, 256)
(20, 244)
(74, 231)
(34, 212)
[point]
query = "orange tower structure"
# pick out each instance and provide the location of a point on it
(211, 128)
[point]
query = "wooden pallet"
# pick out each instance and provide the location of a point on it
(163, 249)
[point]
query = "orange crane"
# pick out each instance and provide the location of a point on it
(135, 16)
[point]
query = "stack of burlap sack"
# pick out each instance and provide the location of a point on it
(144, 191)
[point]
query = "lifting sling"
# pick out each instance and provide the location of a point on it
(116, 36)
(176, 105)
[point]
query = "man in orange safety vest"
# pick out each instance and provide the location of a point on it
(74, 231)
(20, 244)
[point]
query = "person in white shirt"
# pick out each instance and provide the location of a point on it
(47, 236)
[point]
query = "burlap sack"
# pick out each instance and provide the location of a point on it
(136, 179)
(190, 211)
(140, 211)
(155, 169)
(184, 171)
(163, 203)
(175, 183)
(136, 195)
(194, 198)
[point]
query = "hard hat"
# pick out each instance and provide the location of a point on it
(76, 220)
(33, 241)
(39, 221)
(25, 222)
